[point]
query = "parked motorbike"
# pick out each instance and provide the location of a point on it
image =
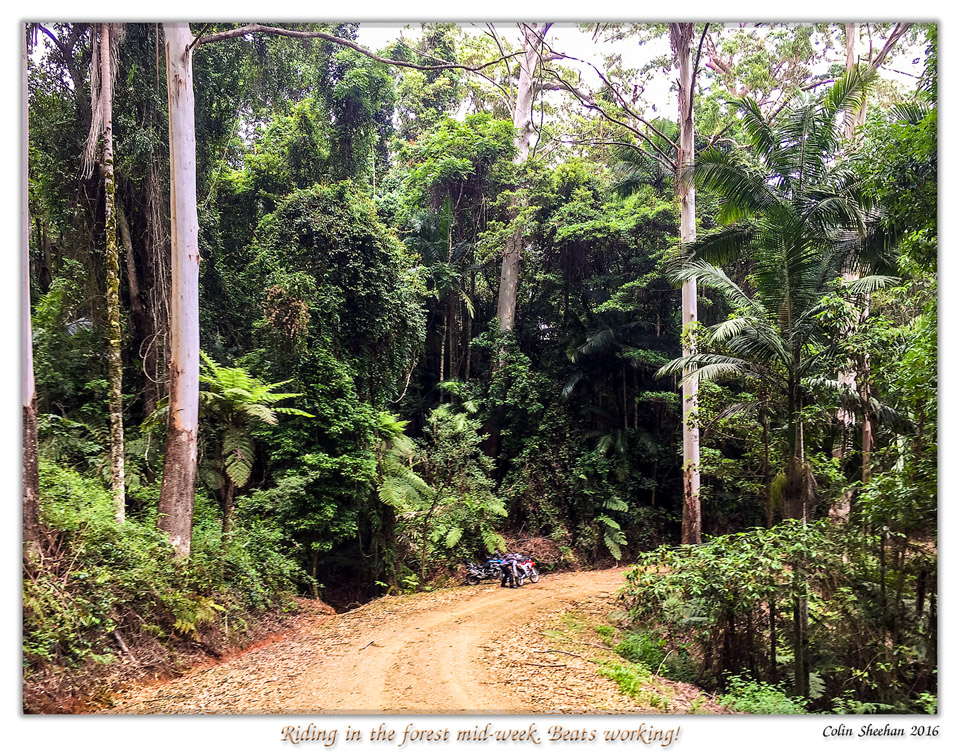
(477, 573)
(527, 570)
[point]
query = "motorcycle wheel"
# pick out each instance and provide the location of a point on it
(534, 576)
(472, 579)
(520, 580)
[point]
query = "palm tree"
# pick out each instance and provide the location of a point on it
(798, 215)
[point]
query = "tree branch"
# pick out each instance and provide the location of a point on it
(587, 101)
(300, 34)
(616, 93)
(898, 31)
(696, 66)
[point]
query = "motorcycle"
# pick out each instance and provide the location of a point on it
(477, 573)
(527, 569)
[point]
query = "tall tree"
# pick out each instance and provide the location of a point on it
(681, 39)
(101, 92)
(855, 121)
(525, 133)
(28, 389)
(803, 217)
(175, 508)
(654, 145)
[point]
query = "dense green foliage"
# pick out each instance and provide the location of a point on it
(731, 600)
(100, 577)
(353, 218)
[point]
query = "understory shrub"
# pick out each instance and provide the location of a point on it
(97, 576)
(757, 697)
(719, 601)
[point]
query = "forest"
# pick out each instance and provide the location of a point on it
(313, 312)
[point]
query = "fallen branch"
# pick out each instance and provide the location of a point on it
(585, 643)
(664, 660)
(126, 650)
(561, 652)
(538, 665)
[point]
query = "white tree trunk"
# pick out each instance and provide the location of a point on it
(681, 37)
(31, 476)
(180, 463)
(847, 377)
(524, 136)
(850, 34)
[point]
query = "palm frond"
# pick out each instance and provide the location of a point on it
(713, 277)
(572, 381)
(911, 113)
(870, 283)
(744, 190)
(848, 94)
(761, 135)
(724, 245)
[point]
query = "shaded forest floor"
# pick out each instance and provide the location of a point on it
(459, 650)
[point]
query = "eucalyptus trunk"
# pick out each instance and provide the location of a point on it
(28, 391)
(524, 133)
(866, 440)
(855, 121)
(180, 463)
(681, 38)
(848, 376)
(767, 479)
(114, 335)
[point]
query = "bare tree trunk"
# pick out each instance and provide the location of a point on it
(767, 480)
(681, 37)
(855, 121)
(801, 672)
(525, 132)
(228, 507)
(850, 34)
(443, 346)
(473, 297)
(31, 463)
(452, 334)
(772, 609)
(142, 322)
(866, 444)
(180, 463)
(46, 269)
(157, 284)
(847, 377)
(114, 335)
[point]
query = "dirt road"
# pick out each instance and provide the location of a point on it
(419, 653)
